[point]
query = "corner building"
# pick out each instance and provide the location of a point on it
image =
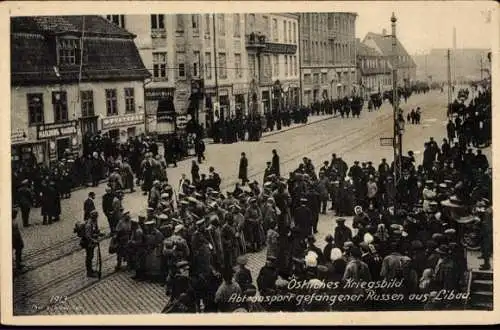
(328, 56)
(71, 76)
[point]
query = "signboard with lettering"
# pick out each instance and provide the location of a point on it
(17, 137)
(155, 94)
(277, 48)
(124, 120)
(48, 131)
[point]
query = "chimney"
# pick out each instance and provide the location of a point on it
(384, 32)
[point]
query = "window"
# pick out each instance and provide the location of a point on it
(286, 66)
(206, 28)
(251, 23)
(221, 24)
(60, 105)
(195, 23)
(87, 103)
(290, 32)
(111, 104)
(236, 25)
(35, 108)
(252, 63)
(180, 23)
(196, 64)
(129, 100)
(316, 78)
(160, 65)
(266, 26)
(284, 32)
(222, 65)
(275, 29)
(307, 79)
(237, 63)
(294, 32)
(118, 20)
(157, 22)
(208, 65)
(267, 66)
(181, 65)
(295, 69)
(276, 65)
(69, 51)
(323, 78)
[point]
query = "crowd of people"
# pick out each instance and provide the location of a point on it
(404, 232)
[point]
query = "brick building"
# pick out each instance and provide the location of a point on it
(374, 71)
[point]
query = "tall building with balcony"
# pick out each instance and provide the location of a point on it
(273, 61)
(183, 51)
(328, 55)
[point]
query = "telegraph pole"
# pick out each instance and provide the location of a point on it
(216, 67)
(481, 63)
(397, 140)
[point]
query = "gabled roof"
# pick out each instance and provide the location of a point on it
(384, 43)
(107, 56)
(365, 50)
(94, 25)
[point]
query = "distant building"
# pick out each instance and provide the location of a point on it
(374, 71)
(328, 55)
(407, 68)
(466, 64)
(72, 75)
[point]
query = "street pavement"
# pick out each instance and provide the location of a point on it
(352, 139)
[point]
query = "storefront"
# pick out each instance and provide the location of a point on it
(239, 92)
(62, 139)
(25, 152)
(224, 104)
(266, 102)
(124, 126)
(154, 100)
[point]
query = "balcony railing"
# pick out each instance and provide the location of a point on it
(256, 41)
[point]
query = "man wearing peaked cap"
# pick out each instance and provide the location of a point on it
(342, 233)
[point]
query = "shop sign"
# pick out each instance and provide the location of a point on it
(19, 136)
(182, 120)
(124, 120)
(277, 48)
(155, 94)
(47, 131)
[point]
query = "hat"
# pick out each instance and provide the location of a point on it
(149, 223)
(453, 201)
(298, 260)
(134, 220)
(417, 245)
(368, 238)
(433, 203)
(311, 260)
(150, 209)
(181, 194)
(191, 186)
(336, 254)
(442, 249)
(182, 264)
(267, 184)
(450, 231)
(395, 226)
(156, 182)
(242, 260)
(192, 199)
(443, 185)
(200, 222)
(198, 195)
(338, 220)
(429, 181)
(348, 245)
(94, 213)
(271, 258)
(178, 228)
(25, 181)
(329, 238)
(107, 189)
(311, 238)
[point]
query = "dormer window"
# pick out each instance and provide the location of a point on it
(69, 51)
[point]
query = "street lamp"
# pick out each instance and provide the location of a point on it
(398, 133)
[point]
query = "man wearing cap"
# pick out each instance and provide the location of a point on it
(214, 179)
(243, 275)
(17, 240)
(25, 201)
(243, 169)
(182, 286)
(342, 233)
(253, 219)
(356, 269)
(266, 280)
(147, 173)
(391, 265)
(275, 163)
(446, 274)
(88, 205)
(115, 179)
(486, 214)
(107, 205)
(122, 235)
(138, 245)
(303, 218)
(117, 210)
(154, 195)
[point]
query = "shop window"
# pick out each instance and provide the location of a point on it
(181, 65)
(129, 100)
(111, 103)
(63, 145)
(35, 108)
(60, 105)
(87, 103)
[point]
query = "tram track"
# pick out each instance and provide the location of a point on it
(108, 266)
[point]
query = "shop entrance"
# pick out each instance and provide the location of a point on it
(89, 125)
(62, 145)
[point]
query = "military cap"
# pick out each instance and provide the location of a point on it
(156, 182)
(267, 184)
(181, 194)
(107, 189)
(397, 233)
(395, 226)
(125, 213)
(164, 195)
(191, 186)
(443, 185)
(182, 264)
(150, 209)
(437, 236)
(177, 220)
(340, 220)
(322, 269)
(191, 199)
(356, 162)
(200, 222)
(271, 258)
(404, 233)
(329, 238)
(136, 220)
(450, 231)
(348, 245)
(252, 200)
(178, 228)
(416, 245)
(298, 260)
(433, 203)
(184, 202)
(442, 249)
(150, 223)
(198, 195)
(242, 260)
(268, 163)
(162, 216)
(141, 218)
(429, 181)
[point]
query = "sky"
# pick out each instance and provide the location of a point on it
(424, 25)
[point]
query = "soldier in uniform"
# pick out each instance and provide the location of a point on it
(303, 218)
(88, 206)
(243, 275)
(342, 233)
(138, 246)
(267, 278)
(89, 241)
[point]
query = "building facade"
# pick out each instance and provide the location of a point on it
(67, 84)
(328, 55)
(382, 43)
(374, 71)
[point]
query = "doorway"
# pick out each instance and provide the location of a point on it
(62, 145)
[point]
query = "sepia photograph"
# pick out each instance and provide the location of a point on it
(249, 158)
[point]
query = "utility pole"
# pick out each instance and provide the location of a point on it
(450, 90)
(481, 62)
(216, 67)
(397, 140)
